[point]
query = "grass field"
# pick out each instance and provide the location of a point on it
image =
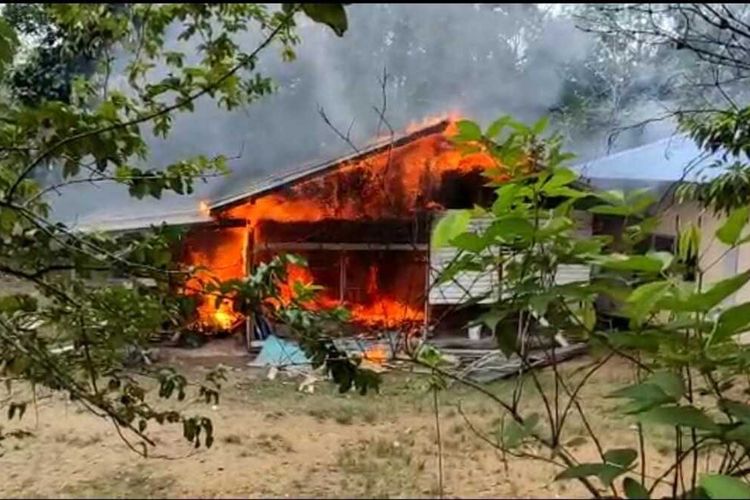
(274, 441)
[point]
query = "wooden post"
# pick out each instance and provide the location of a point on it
(427, 286)
(342, 275)
(249, 265)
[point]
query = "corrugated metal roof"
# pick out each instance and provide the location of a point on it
(181, 218)
(118, 211)
(657, 164)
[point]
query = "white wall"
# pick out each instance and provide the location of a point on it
(717, 261)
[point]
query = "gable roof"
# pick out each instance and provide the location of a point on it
(120, 212)
(657, 165)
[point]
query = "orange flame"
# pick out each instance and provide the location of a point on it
(393, 183)
(204, 208)
(388, 184)
(217, 255)
(376, 354)
(428, 121)
(225, 317)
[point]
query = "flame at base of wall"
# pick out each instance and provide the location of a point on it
(377, 312)
(422, 174)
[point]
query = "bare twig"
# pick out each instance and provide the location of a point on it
(439, 441)
(344, 137)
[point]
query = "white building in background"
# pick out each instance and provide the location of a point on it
(661, 166)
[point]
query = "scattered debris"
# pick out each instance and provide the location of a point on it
(481, 361)
(308, 384)
(495, 365)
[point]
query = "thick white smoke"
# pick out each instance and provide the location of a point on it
(480, 60)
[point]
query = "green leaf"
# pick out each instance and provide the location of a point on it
(721, 486)
(497, 126)
(651, 263)
(469, 242)
(553, 226)
(639, 200)
(8, 45)
(634, 489)
(605, 472)
(449, 227)
(645, 298)
(669, 382)
(510, 228)
(540, 126)
(738, 410)
(622, 457)
(332, 15)
(740, 434)
(429, 355)
(492, 317)
(613, 197)
(705, 301)
(513, 434)
(646, 341)
(506, 195)
(688, 246)
(730, 322)
(645, 396)
(507, 338)
(588, 315)
(530, 422)
(468, 131)
(618, 204)
(685, 416)
(561, 177)
(729, 233)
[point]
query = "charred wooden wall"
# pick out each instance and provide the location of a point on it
(346, 231)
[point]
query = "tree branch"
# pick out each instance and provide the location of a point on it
(179, 103)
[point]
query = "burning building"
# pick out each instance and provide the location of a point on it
(363, 223)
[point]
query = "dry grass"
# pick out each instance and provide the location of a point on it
(275, 441)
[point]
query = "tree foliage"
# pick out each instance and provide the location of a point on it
(62, 113)
(709, 97)
(681, 336)
(53, 57)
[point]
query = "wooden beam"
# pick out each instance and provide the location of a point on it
(229, 223)
(342, 275)
(339, 246)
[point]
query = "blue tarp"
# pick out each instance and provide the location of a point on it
(280, 352)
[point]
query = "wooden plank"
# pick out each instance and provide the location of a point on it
(464, 343)
(339, 246)
(466, 284)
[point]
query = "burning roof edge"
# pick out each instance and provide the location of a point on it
(658, 164)
(180, 218)
(200, 216)
(311, 170)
